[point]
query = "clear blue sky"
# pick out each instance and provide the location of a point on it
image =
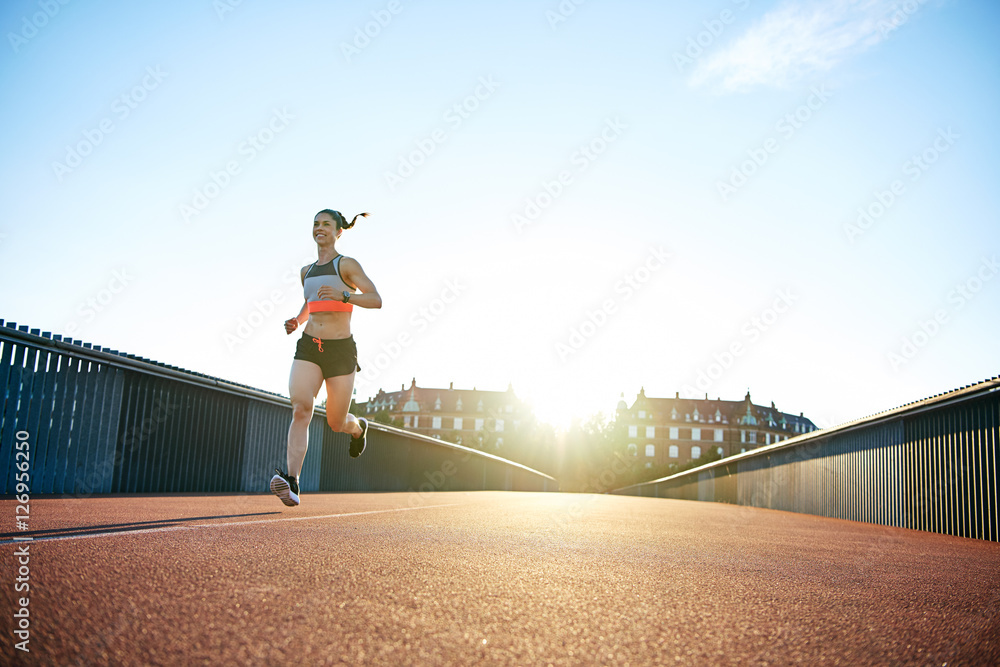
(706, 241)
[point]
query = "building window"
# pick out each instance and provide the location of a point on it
(743, 450)
(696, 434)
(479, 424)
(406, 421)
(437, 403)
(697, 417)
(633, 431)
(753, 437)
(416, 421)
(696, 452)
(499, 426)
(743, 435)
(720, 451)
(436, 423)
(642, 414)
(673, 414)
(458, 423)
(674, 453)
(718, 435)
(767, 438)
(650, 431)
(650, 450)
(673, 432)
(632, 449)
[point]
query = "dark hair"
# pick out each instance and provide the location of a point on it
(338, 217)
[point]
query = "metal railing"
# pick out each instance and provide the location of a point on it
(100, 421)
(931, 465)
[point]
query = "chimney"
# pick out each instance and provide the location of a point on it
(677, 394)
(451, 386)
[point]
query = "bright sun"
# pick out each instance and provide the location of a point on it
(562, 407)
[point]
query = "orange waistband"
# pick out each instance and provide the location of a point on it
(328, 305)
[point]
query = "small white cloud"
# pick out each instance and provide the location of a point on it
(800, 39)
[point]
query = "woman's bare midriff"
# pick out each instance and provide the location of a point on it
(330, 325)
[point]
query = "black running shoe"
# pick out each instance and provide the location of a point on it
(286, 488)
(358, 443)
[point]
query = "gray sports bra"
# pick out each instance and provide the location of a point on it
(326, 274)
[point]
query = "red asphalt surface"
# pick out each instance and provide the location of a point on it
(489, 578)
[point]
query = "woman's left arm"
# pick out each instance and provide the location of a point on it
(353, 274)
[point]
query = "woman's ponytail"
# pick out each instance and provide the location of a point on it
(354, 219)
(338, 217)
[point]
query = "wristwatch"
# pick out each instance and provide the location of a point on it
(347, 295)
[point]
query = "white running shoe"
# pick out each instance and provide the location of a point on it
(286, 488)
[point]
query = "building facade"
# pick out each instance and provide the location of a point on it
(465, 416)
(679, 430)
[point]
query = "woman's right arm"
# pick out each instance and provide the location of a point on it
(303, 316)
(293, 324)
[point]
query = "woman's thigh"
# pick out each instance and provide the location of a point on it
(338, 397)
(304, 382)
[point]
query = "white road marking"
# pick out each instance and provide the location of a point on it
(168, 529)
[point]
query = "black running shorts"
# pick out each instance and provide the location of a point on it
(335, 356)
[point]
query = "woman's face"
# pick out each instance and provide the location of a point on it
(325, 229)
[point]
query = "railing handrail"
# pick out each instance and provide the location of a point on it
(120, 359)
(916, 407)
(124, 360)
(453, 445)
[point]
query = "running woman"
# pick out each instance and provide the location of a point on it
(333, 285)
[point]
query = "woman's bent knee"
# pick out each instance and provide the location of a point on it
(338, 425)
